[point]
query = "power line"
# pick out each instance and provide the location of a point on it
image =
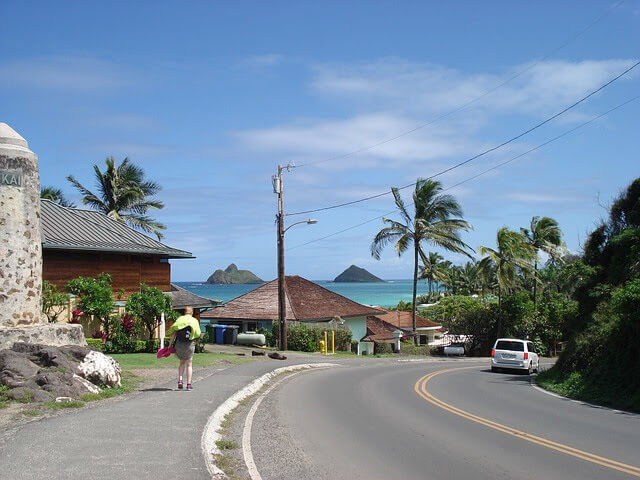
(492, 149)
(474, 100)
(495, 167)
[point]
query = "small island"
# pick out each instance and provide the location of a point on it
(231, 275)
(357, 274)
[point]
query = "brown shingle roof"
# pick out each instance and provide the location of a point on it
(304, 300)
(378, 330)
(401, 319)
(181, 298)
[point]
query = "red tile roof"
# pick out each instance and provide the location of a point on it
(401, 319)
(378, 330)
(304, 300)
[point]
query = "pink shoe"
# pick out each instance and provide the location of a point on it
(189, 387)
(180, 385)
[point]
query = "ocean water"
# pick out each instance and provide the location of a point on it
(386, 294)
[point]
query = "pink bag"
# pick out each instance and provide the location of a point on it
(165, 352)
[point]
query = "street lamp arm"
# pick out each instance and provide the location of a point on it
(310, 222)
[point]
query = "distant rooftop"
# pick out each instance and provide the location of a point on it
(65, 228)
(402, 320)
(181, 298)
(304, 299)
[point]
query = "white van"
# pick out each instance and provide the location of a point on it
(514, 354)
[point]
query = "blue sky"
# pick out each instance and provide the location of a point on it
(208, 97)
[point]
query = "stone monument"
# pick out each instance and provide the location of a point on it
(21, 317)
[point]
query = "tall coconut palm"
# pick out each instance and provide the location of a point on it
(543, 234)
(56, 196)
(123, 195)
(433, 269)
(434, 221)
(512, 253)
(469, 277)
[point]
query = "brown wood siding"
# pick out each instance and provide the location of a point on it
(127, 271)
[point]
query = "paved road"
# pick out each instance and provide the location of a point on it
(153, 434)
(373, 422)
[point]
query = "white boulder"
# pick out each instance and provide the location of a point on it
(100, 369)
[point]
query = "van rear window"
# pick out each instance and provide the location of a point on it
(513, 346)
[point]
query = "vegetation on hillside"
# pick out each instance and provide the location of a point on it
(357, 274)
(602, 360)
(231, 274)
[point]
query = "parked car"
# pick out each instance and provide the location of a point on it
(514, 354)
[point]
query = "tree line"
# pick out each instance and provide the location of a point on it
(497, 276)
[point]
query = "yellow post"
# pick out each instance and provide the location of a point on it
(325, 342)
(333, 342)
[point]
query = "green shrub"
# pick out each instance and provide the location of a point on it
(409, 348)
(95, 343)
(354, 346)
(147, 307)
(342, 339)
(201, 341)
(302, 338)
(95, 297)
(381, 348)
(53, 301)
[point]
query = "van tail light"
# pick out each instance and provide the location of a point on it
(493, 352)
(526, 355)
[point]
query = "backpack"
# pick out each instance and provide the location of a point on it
(183, 335)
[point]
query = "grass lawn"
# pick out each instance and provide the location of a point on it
(149, 360)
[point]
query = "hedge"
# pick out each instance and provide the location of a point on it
(95, 343)
(381, 348)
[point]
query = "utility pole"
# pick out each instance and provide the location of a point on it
(278, 188)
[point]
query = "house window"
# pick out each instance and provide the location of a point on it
(424, 339)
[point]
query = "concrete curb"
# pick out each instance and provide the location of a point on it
(211, 434)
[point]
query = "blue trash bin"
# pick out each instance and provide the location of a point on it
(220, 333)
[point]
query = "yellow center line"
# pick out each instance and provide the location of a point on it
(421, 389)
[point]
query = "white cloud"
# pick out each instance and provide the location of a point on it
(411, 86)
(73, 73)
(309, 141)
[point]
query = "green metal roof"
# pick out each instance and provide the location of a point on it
(65, 228)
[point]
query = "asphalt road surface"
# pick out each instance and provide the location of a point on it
(396, 420)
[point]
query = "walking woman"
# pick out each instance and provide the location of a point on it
(183, 333)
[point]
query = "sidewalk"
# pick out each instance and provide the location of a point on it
(152, 434)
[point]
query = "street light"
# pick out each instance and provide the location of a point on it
(282, 309)
(308, 222)
(278, 188)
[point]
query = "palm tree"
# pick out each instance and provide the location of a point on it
(434, 221)
(56, 196)
(512, 253)
(433, 269)
(469, 281)
(123, 195)
(544, 234)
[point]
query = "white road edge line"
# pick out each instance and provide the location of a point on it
(211, 433)
(246, 431)
(580, 402)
